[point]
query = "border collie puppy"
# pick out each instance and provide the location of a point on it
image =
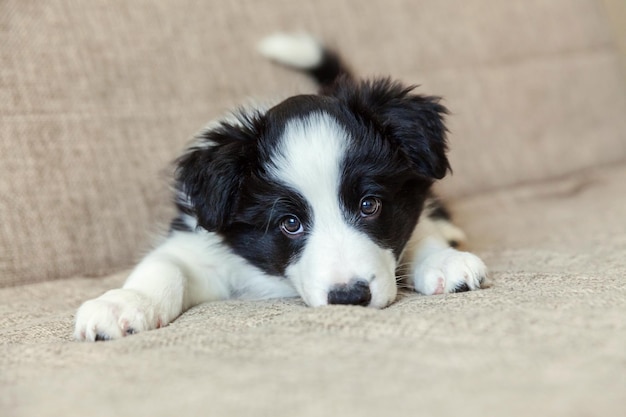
(326, 197)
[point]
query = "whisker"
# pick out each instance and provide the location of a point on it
(406, 265)
(269, 220)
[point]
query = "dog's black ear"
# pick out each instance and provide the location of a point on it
(210, 174)
(414, 122)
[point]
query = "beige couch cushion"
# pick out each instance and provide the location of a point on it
(547, 339)
(98, 97)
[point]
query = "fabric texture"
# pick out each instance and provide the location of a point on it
(97, 98)
(547, 338)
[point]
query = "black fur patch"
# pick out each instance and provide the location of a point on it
(330, 68)
(179, 225)
(413, 122)
(254, 232)
(396, 150)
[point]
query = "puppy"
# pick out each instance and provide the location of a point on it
(325, 196)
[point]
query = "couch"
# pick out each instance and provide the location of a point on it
(97, 99)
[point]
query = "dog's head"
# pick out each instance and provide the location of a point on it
(323, 190)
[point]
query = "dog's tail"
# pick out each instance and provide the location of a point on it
(305, 53)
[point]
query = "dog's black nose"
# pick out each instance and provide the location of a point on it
(357, 293)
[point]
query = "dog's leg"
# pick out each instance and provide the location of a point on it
(434, 266)
(186, 269)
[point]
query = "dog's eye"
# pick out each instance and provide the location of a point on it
(370, 206)
(291, 226)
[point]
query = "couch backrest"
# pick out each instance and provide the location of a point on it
(98, 97)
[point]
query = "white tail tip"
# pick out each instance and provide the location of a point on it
(300, 51)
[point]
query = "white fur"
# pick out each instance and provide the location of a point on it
(335, 253)
(187, 269)
(191, 268)
(443, 271)
(435, 267)
(299, 51)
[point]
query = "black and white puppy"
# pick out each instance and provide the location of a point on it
(326, 197)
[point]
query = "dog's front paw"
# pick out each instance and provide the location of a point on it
(115, 314)
(449, 271)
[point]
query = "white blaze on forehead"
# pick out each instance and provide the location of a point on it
(308, 159)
